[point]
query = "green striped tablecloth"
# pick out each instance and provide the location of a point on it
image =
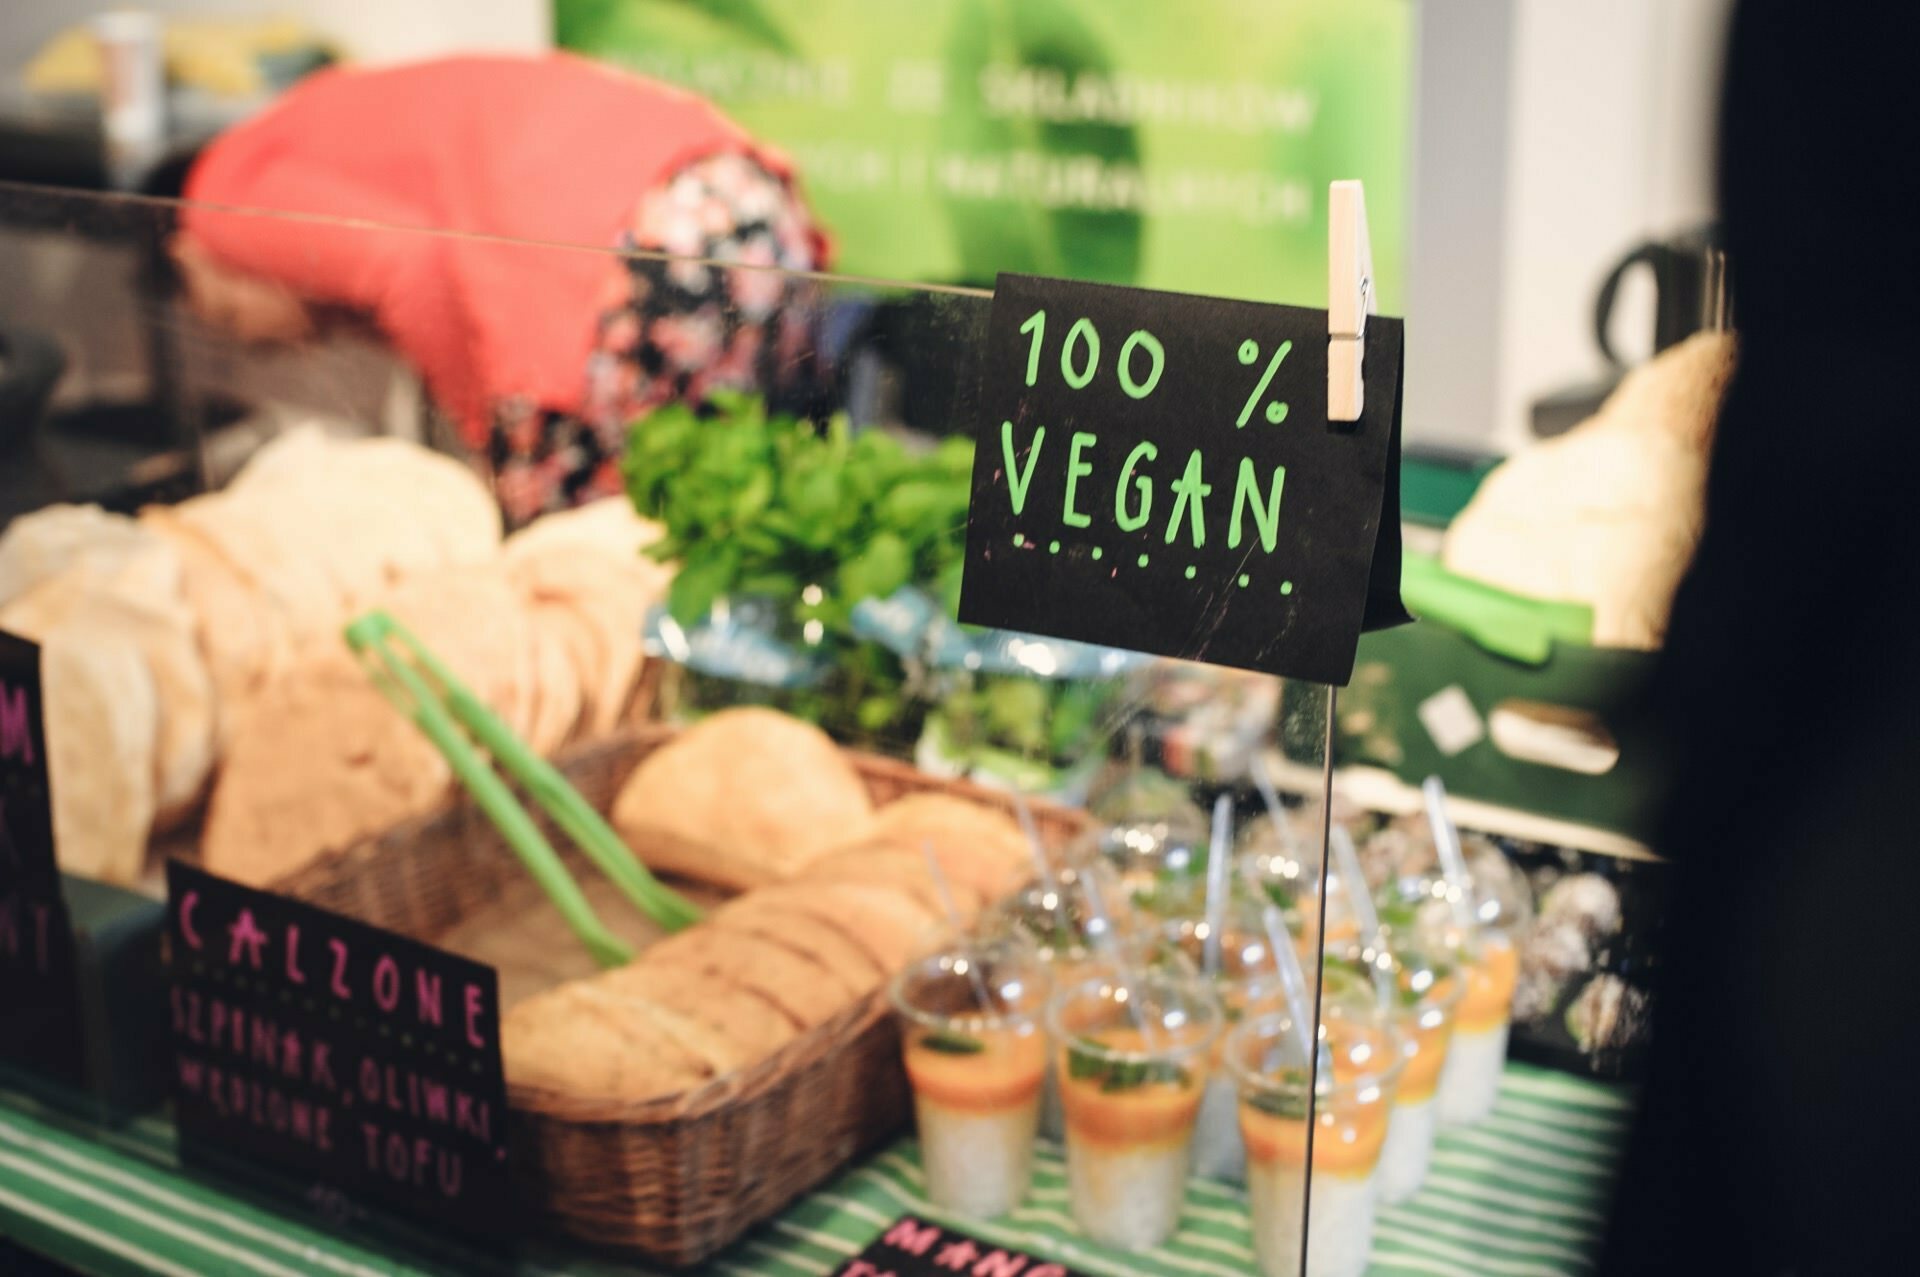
(1522, 1195)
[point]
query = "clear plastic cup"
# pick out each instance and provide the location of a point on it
(1350, 1114)
(1425, 992)
(1246, 982)
(1418, 911)
(1287, 865)
(1058, 923)
(1292, 879)
(1133, 1060)
(1058, 919)
(972, 1035)
(1470, 1082)
(1158, 854)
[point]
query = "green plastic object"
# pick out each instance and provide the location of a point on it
(1378, 723)
(1484, 649)
(1509, 625)
(421, 686)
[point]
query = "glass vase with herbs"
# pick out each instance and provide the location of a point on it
(780, 528)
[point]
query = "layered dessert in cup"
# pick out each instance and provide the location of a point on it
(1155, 844)
(1423, 912)
(1288, 874)
(1280, 862)
(972, 1032)
(1502, 910)
(1470, 1081)
(1426, 992)
(1244, 982)
(1072, 939)
(1348, 1114)
(1132, 1054)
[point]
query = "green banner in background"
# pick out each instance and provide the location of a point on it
(1182, 144)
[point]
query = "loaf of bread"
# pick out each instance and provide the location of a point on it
(1609, 513)
(764, 968)
(828, 928)
(743, 798)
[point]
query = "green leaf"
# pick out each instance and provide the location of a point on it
(752, 496)
(1138, 1073)
(910, 506)
(704, 577)
(780, 586)
(1290, 1104)
(954, 457)
(814, 495)
(876, 712)
(1075, 706)
(1017, 713)
(948, 586)
(1084, 1063)
(739, 406)
(1398, 916)
(877, 571)
(950, 1043)
(772, 505)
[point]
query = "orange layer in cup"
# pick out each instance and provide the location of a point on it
(1488, 1001)
(1005, 1073)
(1343, 932)
(1346, 1143)
(1428, 1031)
(1144, 1114)
(1349, 1131)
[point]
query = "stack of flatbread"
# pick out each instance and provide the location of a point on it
(129, 703)
(153, 631)
(1609, 513)
(548, 634)
(312, 531)
(842, 896)
(170, 643)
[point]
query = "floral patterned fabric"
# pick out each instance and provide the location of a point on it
(676, 329)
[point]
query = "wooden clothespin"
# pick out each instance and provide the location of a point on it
(1350, 299)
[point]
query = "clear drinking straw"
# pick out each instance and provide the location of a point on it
(945, 891)
(1100, 932)
(1293, 980)
(1453, 862)
(1347, 860)
(1263, 781)
(1219, 854)
(1365, 916)
(1042, 867)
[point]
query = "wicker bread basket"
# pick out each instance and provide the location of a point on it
(680, 1177)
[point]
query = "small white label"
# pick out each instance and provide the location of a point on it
(1452, 721)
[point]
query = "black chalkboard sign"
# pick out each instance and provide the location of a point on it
(363, 1062)
(1156, 471)
(39, 984)
(913, 1247)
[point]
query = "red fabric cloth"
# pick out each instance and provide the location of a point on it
(552, 149)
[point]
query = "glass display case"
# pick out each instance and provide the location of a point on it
(992, 932)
